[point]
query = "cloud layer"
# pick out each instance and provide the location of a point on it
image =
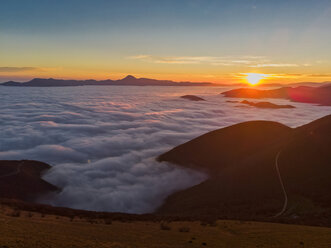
(102, 141)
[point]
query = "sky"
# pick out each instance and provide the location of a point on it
(187, 40)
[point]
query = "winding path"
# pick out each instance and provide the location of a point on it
(18, 170)
(283, 187)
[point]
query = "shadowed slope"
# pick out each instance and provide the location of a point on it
(225, 147)
(243, 180)
(306, 162)
(22, 180)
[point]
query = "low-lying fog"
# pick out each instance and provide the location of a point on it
(102, 141)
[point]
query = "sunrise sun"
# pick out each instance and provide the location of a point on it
(254, 78)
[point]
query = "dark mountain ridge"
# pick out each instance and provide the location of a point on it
(128, 80)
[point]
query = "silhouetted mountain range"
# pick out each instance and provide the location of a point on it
(133, 81)
(128, 80)
(242, 161)
(306, 94)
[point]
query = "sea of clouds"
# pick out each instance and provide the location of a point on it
(102, 141)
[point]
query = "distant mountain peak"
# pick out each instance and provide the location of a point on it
(129, 77)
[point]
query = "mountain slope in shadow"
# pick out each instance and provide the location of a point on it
(243, 182)
(22, 180)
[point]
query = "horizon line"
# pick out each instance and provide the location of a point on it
(167, 80)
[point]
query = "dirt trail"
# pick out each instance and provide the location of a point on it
(282, 185)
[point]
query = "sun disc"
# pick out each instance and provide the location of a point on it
(254, 78)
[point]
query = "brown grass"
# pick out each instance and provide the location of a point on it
(59, 231)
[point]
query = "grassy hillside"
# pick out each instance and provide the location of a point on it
(33, 230)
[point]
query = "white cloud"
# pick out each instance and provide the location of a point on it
(102, 141)
(17, 69)
(216, 61)
(276, 65)
(248, 61)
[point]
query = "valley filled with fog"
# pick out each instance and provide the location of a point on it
(102, 141)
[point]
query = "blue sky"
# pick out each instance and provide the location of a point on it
(82, 35)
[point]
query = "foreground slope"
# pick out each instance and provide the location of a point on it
(242, 161)
(33, 230)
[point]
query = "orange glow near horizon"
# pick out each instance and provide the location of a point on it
(251, 78)
(255, 78)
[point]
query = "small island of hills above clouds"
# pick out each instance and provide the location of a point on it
(319, 95)
(266, 105)
(193, 98)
